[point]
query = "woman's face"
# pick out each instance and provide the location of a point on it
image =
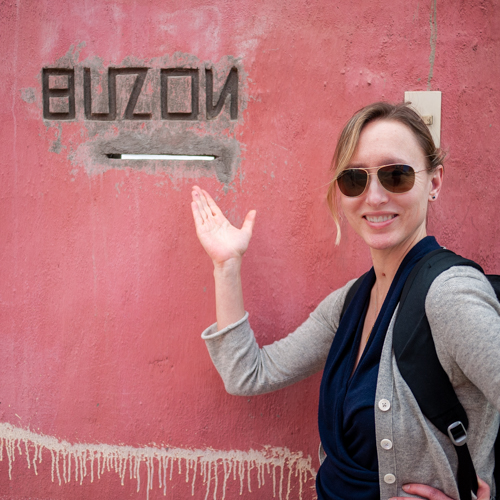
(389, 221)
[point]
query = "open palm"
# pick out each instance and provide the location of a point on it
(220, 239)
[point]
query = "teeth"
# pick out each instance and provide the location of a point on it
(381, 218)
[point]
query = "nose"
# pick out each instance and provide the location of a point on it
(375, 194)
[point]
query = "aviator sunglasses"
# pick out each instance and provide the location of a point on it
(395, 178)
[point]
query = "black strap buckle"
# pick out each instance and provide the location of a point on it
(457, 433)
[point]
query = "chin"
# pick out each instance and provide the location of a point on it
(392, 241)
(379, 244)
(379, 241)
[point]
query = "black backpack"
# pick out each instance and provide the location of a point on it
(414, 349)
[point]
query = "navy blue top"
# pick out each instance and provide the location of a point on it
(346, 415)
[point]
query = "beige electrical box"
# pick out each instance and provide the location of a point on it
(428, 105)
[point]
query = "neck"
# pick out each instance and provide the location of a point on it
(386, 263)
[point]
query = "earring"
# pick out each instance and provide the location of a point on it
(434, 197)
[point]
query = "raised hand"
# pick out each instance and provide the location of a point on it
(220, 239)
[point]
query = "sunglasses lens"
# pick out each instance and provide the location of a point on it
(396, 178)
(352, 182)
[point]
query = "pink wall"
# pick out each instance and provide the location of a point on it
(104, 289)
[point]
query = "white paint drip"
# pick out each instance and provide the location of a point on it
(80, 461)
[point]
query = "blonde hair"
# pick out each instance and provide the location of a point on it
(349, 138)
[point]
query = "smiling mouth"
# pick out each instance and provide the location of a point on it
(380, 218)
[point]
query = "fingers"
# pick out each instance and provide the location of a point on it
(249, 222)
(205, 202)
(215, 210)
(202, 209)
(483, 492)
(431, 493)
(424, 491)
(196, 214)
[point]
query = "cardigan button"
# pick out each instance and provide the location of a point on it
(384, 404)
(386, 444)
(389, 478)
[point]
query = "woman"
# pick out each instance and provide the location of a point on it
(387, 171)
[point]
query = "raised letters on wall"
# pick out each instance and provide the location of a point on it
(59, 101)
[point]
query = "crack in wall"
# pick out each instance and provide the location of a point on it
(433, 40)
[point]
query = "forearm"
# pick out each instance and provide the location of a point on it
(228, 293)
(247, 370)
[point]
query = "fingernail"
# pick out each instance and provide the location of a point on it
(406, 487)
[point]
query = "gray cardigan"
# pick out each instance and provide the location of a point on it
(464, 316)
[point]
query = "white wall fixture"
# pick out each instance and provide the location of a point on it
(428, 105)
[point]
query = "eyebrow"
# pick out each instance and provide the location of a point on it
(384, 161)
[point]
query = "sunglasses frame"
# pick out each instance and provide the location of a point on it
(376, 173)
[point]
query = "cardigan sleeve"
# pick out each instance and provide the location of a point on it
(247, 369)
(464, 316)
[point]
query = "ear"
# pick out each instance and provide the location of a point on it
(436, 183)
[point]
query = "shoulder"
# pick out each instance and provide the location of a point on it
(464, 315)
(457, 286)
(461, 298)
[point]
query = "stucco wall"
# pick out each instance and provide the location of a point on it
(104, 289)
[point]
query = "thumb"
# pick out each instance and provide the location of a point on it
(483, 493)
(249, 222)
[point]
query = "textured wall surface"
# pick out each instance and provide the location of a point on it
(107, 391)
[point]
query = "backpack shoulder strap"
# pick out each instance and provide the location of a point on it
(419, 364)
(413, 343)
(494, 280)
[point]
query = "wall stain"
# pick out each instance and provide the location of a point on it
(215, 467)
(433, 40)
(28, 95)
